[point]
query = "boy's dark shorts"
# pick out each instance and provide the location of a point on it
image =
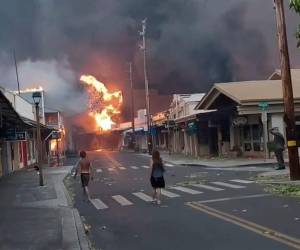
(85, 178)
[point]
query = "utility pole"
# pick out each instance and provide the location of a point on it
(132, 104)
(143, 47)
(17, 74)
(289, 115)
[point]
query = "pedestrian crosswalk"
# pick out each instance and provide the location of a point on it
(186, 190)
(98, 204)
(122, 200)
(223, 184)
(120, 167)
(242, 181)
(171, 192)
(207, 187)
(143, 196)
(169, 165)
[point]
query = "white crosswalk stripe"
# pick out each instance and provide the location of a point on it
(242, 181)
(98, 170)
(169, 165)
(186, 190)
(143, 196)
(169, 194)
(207, 187)
(122, 168)
(224, 184)
(144, 166)
(111, 169)
(122, 200)
(98, 204)
(134, 167)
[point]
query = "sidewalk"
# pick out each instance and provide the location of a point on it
(217, 162)
(39, 218)
(280, 177)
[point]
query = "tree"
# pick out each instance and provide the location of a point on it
(295, 5)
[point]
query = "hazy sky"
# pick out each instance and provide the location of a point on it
(192, 43)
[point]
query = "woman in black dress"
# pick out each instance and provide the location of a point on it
(157, 176)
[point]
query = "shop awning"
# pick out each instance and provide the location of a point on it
(193, 116)
(8, 116)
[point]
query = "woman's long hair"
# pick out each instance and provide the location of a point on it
(156, 158)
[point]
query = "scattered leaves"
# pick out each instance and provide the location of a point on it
(285, 189)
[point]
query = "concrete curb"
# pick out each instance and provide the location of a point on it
(268, 164)
(233, 166)
(83, 241)
(82, 238)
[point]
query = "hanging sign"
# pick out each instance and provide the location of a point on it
(12, 135)
(240, 121)
(263, 105)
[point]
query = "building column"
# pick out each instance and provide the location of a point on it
(232, 135)
(219, 141)
(191, 145)
(186, 144)
(196, 145)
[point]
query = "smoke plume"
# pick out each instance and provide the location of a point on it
(191, 43)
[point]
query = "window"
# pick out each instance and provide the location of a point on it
(252, 137)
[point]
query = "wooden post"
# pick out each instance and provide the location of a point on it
(289, 116)
(132, 105)
(219, 140)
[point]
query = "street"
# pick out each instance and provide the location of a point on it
(202, 208)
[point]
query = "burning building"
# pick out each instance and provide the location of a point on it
(104, 106)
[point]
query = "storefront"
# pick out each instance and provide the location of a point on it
(237, 128)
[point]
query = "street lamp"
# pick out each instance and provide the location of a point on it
(36, 96)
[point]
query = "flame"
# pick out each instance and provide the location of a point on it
(53, 145)
(103, 105)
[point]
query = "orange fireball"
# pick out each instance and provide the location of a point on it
(103, 105)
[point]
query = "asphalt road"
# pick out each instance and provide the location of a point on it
(203, 209)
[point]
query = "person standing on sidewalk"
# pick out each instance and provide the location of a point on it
(85, 168)
(279, 143)
(157, 176)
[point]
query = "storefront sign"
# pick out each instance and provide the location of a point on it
(55, 135)
(192, 128)
(240, 121)
(12, 135)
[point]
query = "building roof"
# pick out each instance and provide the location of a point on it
(251, 91)
(295, 74)
(193, 97)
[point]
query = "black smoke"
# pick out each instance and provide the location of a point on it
(191, 43)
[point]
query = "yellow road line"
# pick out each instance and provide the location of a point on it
(259, 229)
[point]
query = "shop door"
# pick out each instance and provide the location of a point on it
(24, 153)
(213, 141)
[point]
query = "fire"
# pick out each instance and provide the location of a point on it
(53, 145)
(103, 105)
